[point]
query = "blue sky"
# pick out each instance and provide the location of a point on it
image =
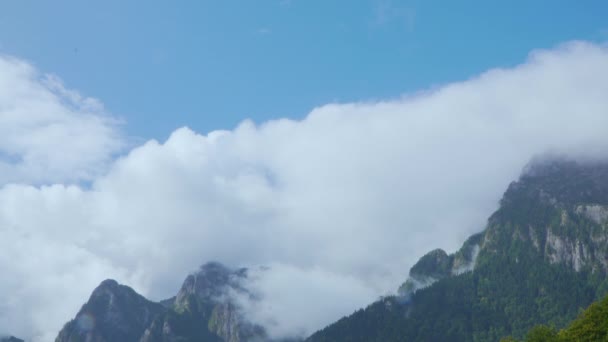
(210, 64)
(340, 204)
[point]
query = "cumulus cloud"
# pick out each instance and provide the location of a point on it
(339, 204)
(49, 133)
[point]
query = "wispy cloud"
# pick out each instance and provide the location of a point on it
(54, 133)
(387, 12)
(264, 31)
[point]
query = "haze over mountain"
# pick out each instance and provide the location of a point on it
(540, 260)
(339, 205)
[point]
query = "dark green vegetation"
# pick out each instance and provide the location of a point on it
(590, 326)
(542, 258)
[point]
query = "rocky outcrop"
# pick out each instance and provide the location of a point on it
(594, 212)
(561, 209)
(113, 313)
(437, 265)
(211, 283)
(212, 289)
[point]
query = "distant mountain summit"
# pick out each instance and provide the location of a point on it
(542, 257)
(10, 339)
(113, 313)
(211, 282)
(201, 311)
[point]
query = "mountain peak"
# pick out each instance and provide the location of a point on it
(205, 296)
(10, 339)
(107, 286)
(435, 264)
(563, 181)
(211, 282)
(108, 283)
(113, 312)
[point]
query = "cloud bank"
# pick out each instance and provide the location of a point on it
(49, 133)
(339, 204)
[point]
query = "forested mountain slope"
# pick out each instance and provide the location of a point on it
(590, 326)
(542, 258)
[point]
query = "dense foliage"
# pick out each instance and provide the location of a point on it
(498, 299)
(590, 326)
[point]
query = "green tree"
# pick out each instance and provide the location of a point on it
(542, 333)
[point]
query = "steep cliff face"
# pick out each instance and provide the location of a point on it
(202, 311)
(542, 257)
(210, 283)
(437, 265)
(227, 321)
(113, 313)
(190, 324)
(560, 209)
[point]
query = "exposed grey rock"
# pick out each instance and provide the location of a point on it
(595, 212)
(113, 313)
(204, 310)
(211, 283)
(437, 265)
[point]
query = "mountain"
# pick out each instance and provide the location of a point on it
(542, 257)
(10, 339)
(202, 311)
(113, 313)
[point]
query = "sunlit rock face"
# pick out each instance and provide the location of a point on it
(560, 207)
(113, 313)
(211, 283)
(204, 310)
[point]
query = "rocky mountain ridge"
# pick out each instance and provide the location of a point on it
(199, 312)
(541, 258)
(10, 339)
(576, 193)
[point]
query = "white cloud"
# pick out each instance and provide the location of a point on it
(286, 293)
(340, 204)
(47, 132)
